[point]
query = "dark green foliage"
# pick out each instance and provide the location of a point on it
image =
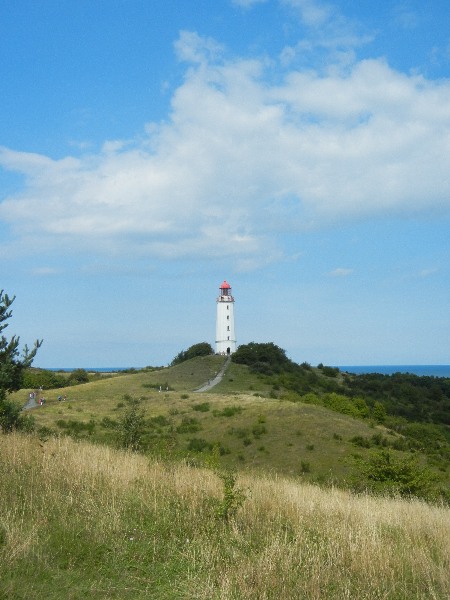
(330, 371)
(188, 425)
(379, 412)
(201, 349)
(233, 496)
(75, 428)
(199, 445)
(405, 395)
(228, 411)
(258, 430)
(305, 466)
(361, 441)
(12, 368)
(385, 473)
(203, 407)
(240, 432)
(109, 423)
(159, 421)
(262, 358)
(78, 376)
(36, 378)
(131, 426)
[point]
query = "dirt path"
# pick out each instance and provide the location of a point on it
(217, 379)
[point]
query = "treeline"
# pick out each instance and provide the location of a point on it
(416, 398)
(416, 407)
(48, 380)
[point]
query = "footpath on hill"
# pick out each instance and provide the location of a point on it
(217, 379)
(31, 403)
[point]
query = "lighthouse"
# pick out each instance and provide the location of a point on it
(225, 336)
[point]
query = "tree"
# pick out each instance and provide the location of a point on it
(201, 349)
(379, 412)
(266, 358)
(78, 376)
(131, 425)
(12, 367)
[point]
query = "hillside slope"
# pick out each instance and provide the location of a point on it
(254, 428)
(84, 521)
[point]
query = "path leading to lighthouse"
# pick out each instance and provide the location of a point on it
(217, 379)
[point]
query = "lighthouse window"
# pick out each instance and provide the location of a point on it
(228, 328)
(228, 308)
(228, 317)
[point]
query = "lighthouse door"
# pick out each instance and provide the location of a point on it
(228, 350)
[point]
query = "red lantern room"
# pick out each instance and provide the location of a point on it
(225, 292)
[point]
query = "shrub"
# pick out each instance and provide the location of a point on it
(203, 407)
(199, 445)
(305, 466)
(233, 497)
(130, 426)
(359, 440)
(258, 430)
(188, 425)
(201, 349)
(228, 411)
(383, 472)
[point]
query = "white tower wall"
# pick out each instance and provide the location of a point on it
(225, 334)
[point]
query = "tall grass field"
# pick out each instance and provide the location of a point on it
(79, 520)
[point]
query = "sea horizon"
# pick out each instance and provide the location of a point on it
(420, 370)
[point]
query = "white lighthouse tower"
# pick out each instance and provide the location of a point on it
(225, 336)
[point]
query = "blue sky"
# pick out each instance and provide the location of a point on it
(299, 149)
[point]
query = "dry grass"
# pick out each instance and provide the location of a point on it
(83, 521)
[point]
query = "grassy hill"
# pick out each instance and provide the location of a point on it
(87, 521)
(219, 502)
(256, 429)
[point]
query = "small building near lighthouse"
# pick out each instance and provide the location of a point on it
(225, 334)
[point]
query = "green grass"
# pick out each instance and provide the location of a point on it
(83, 521)
(256, 432)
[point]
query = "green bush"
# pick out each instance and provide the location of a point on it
(228, 411)
(199, 445)
(203, 407)
(201, 349)
(188, 425)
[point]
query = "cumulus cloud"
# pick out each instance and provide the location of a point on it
(240, 161)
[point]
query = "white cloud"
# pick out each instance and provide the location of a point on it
(247, 3)
(405, 17)
(313, 13)
(45, 271)
(241, 160)
(341, 272)
(428, 272)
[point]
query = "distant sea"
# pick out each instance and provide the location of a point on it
(88, 369)
(422, 370)
(427, 370)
